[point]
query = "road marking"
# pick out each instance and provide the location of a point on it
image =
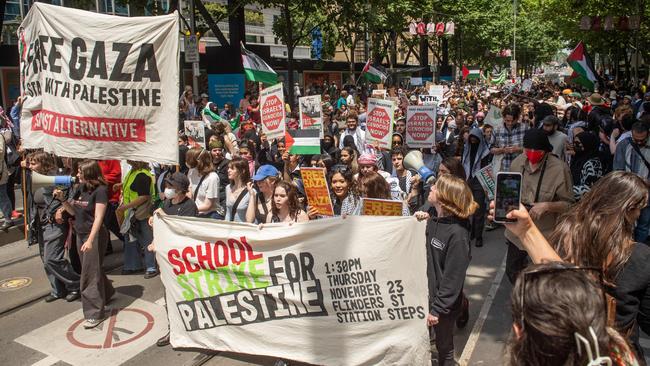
(47, 361)
(113, 333)
(11, 284)
(485, 309)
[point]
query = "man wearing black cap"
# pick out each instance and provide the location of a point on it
(546, 190)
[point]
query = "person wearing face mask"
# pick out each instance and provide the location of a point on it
(328, 146)
(586, 168)
(546, 189)
(558, 139)
(633, 155)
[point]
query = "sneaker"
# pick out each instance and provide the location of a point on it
(15, 214)
(51, 298)
(72, 296)
(6, 225)
(150, 274)
(163, 341)
(92, 323)
(478, 243)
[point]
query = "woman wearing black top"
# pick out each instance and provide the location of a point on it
(88, 205)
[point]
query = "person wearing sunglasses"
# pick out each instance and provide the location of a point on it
(599, 232)
(575, 301)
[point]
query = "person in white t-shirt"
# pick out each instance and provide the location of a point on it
(204, 183)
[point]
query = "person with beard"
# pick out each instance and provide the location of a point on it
(586, 167)
(550, 125)
(358, 136)
(480, 117)
(475, 157)
(220, 164)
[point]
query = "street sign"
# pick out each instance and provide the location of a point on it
(191, 48)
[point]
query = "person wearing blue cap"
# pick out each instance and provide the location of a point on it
(261, 199)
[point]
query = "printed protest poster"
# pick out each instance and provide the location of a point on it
(311, 113)
(437, 92)
(421, 126)
(99, 86)
(272, 111)
(377, 207)
(379, 122)
(494, 117)
(195, 132)
(485, 176)
(324, 292)
(424, 99)
(379, 93)
(317, 190)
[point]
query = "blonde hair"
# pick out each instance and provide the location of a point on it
(455, 196)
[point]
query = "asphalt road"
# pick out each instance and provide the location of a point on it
(38, 333)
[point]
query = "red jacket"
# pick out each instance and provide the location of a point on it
(112, 172)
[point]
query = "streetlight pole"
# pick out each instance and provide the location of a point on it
(195, 65)
(513, 63)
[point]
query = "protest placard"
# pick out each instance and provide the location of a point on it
(99, 86)
(195, 132)
(379, 122)
(317, 190)
(421, 126)
(272, 111)
(377, 207)
(485, 177)
(379, 93)
(323, 292)
(424, 99)
(437, 92)
(311, 113)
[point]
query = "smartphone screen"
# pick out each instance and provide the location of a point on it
(507, 195)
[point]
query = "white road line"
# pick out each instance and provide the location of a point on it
(47, 361)
(485, 309)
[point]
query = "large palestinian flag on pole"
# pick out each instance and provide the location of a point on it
(373, 74)
(256, 69)
(583, 67)
(473, 72)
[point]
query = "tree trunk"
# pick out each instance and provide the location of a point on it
(291, 45)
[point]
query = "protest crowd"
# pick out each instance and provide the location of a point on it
(578, 251)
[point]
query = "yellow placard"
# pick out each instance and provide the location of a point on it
(376, 207)
(318, 194)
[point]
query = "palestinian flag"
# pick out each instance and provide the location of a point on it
(372, 74)
(474, 72)
(499, 79)
(256, 69)
(583, 67)
(302, 142)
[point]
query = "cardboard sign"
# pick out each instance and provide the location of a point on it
(379, 93)
(421, 126)
(317, 190)
(424, 99)
(379, 122)
(98, 86)
(269, 291)
(485, 176)
(437, 92)
(195, 132)
(376, 207)
(272, 111)
(494, 117)
(311, 113)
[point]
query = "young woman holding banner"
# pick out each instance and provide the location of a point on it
(286, 206)
(448, 255)
(237, 193)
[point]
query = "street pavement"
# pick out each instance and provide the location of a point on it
(43, 334)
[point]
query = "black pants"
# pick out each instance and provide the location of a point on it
(62, 276)
(110, 221)
(516, 261)
(11, 183)
(445, 338)
(477, 220)
(96, 288)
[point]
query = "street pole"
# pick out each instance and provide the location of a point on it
(195, 65)
(514, 38)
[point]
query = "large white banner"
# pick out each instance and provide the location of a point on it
(99, 86)
(379, 122)
(328, 292)
(272, 112)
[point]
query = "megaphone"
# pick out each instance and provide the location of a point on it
(40, 181)
(414, 161)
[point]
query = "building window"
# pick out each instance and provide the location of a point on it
(251, 39)
(12, 10)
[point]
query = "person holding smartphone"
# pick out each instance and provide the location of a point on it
(546, 190)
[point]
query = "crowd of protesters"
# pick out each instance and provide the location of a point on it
(584, 158)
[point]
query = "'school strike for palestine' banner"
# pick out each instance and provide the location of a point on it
(328, 292)
(99, 86)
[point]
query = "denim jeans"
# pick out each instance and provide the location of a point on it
(138, 239)
(5, 203)
(642, 226)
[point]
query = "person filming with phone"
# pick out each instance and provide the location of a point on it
(546, 190)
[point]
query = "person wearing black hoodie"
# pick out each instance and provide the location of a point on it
(448, 256)
(586, 168)
(475, 158)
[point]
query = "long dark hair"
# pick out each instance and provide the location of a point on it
(555, 301)
(375, 186)
(92, 174)
(348, 176)
(598, 230)
(293, 202)
(455, 166)
(241, 165)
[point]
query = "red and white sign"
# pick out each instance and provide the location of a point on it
(379, 122)
(311, 113)
(420, 126)
(272, 111)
